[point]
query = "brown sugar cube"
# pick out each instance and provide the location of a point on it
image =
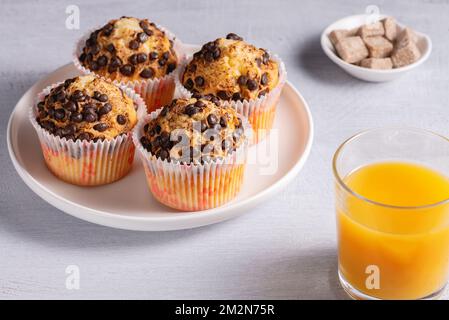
(378, 47)
(337, 35)
(405, 54)
(405, 37)
(375, 63)
(371, 30)
(352, 49)
(391, 29)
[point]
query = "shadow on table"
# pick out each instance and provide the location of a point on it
(312, 60)
(299, 274)
(54, 228)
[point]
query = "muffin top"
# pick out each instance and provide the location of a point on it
(193, 130)
(231, 69)
(129, 49)
(86, 108)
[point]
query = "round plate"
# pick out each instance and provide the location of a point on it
(127, 203)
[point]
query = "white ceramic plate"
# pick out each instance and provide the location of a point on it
(128, 204)
(372, 75)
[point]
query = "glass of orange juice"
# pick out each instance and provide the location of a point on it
(392, 206)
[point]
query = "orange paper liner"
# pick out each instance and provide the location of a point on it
(260, 112)
(155, 92)
(87, 163)
(193, 187)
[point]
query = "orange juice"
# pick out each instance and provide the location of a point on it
(398, 222)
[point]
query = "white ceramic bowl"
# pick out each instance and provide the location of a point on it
(372, 75)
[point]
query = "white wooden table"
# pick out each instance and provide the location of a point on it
(285, 248)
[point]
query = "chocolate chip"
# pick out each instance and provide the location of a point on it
(60, 96)
(89, 117)
(105, 109)
(51, 112)
(153, 55)
(216, 53)
(162, 62)
(102, 61)
(164, 111)
(170, 67)
(236, 96)
(165, 140)
(264, 79)
(233, 36)
(196, 94)
(48, 125)
(110, 47)
(70, 106)
(215, 100)
(94, 49)
(223, 95)
(266, 58)
(212, 119)
(189, 84)
(69, 129)
(76, 117)
(85, 136)
(141, 57)
(59, 114)
(78, 95)
(92, 40)
(259, 62)
(149, 32)
(226, 145)
(146, 143)
(142, 37)
(133, 59)
(163, 154)
(103, 98)
(252, 84)
(115, 62)
(199, 81)
(94, 66)
(242, 80)
(147, 73)
(262, 93)
(209, 56)
(82, 57)
(143, 24)
(58, 132)
(121, 119)
(107, 29)
(133, 45)
(223, 122)
(190, 110)
(101, 127)
(192, 67)
(127, 70)
(200, 104)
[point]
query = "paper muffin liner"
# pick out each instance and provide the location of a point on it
(195, 186)
(260, 112)
(155, 92)
(87, 163)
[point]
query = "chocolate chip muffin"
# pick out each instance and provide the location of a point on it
(129, 49)
(193, 130)
(231, 69)
(86, 108)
